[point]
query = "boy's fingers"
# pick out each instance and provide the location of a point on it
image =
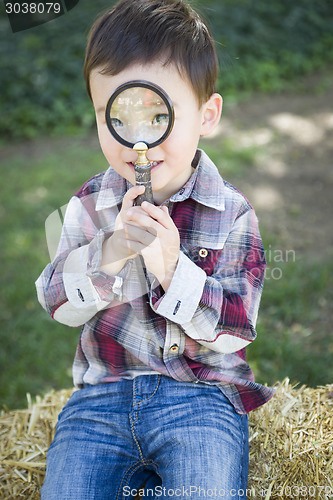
(160, 214)
(144, 235)
(130, 196)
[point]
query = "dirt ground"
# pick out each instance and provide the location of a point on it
(290, 183)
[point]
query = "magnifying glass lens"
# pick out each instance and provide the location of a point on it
(139, 114)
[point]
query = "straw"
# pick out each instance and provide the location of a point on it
(291, 444)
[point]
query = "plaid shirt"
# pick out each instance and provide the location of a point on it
(197, 330)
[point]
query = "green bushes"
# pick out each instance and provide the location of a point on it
(262, 46)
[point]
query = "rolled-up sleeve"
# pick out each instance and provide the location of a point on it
(71, 288)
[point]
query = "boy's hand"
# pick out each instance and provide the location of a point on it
(116, 250)
(152, 233)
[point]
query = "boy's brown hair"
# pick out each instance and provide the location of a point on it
(142, 31)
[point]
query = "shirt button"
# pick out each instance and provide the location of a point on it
(203, 252)
(174, 348)
(182, 191)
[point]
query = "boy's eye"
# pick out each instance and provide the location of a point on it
(116, 123)
(161, 119)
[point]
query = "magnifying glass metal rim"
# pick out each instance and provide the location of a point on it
(151, 86)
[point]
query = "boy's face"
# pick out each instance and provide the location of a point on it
(172, 159)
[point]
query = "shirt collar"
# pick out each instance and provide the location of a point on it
(205, 186)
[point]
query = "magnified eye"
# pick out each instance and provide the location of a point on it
(161, 119)
(116, 123)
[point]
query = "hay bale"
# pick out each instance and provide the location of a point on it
(291, 444)
(25, 436)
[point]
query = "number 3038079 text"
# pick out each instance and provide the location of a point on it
(33, 8)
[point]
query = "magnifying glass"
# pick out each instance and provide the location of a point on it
(140, 116)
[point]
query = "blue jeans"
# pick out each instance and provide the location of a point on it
(181, 439)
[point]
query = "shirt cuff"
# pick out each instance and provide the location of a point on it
(182, 298)
(78, 286)
(84, 283)
(107, 286)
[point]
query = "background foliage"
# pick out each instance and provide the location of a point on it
(262, 46)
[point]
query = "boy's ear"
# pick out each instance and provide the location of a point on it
(211, 113)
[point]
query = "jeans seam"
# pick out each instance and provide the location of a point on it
(137, 442)
(243, 450)
(143, 400)
(136, 418)
(153, 394)
(135, 467)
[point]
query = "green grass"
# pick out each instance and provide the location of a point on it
(294, 335)
(36, 353)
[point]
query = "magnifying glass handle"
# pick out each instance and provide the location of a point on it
(143, 178)
(142, 169)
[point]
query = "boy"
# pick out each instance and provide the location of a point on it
(165, 387)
